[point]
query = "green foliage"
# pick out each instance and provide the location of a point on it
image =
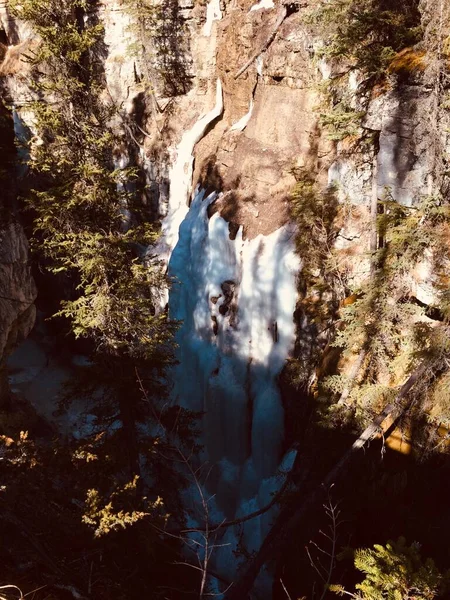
(67, 47)
(89, 226)
(73, 504)
(106, 516)
(440, 402)
(159, 44)
(82, 204)
(385, 320)
(395, 572)
(315, 213)
(369, 34)
(342, 121)
(375, 38)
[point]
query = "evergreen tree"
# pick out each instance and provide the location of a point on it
(90, 226)
(91, 231)
(369, 35)
(395, 572)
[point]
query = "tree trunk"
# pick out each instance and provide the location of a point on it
(281, 18)
(285, 525)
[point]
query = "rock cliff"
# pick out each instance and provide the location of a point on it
(17, 289)
(322, 185)
(271, 127)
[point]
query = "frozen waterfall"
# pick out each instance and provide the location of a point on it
(236, 300)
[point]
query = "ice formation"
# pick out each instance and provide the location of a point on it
(180, 176)
(213, 13)
(243, 121)
(236, 299)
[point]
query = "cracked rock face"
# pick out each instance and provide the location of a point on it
(253, 165)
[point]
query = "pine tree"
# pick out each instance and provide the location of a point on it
(395, 572)
(90, 226)
(91, 231)
(369, 35)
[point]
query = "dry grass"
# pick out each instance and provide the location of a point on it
(408, 61)
(8, 592)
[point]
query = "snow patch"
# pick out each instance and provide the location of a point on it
(267, 4)
(259, 65)
(213, 13)
(243, 121)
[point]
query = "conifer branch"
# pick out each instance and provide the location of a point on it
(287, 523)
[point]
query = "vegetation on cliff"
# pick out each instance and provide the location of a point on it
(116, 492)
(91, 232)
(381, 352)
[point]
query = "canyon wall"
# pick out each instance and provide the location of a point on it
(225, 113)
(17, 289)
(268, 134)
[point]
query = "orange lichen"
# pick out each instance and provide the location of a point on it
(381, 87)
(408, 61)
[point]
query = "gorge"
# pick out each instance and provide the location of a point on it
(239, 213)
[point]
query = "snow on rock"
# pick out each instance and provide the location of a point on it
(263, 4)
(213, 13)
(181, 178)
(259, 65)
(243, 121)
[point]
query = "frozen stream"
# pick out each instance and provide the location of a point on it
(236, 299)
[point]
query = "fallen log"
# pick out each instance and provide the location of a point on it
(285, 524)
(278, 23)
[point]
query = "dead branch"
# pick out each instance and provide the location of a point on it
(253, 515)
(285, 524)
(203, 549)
(333, 513)
(263, 48)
